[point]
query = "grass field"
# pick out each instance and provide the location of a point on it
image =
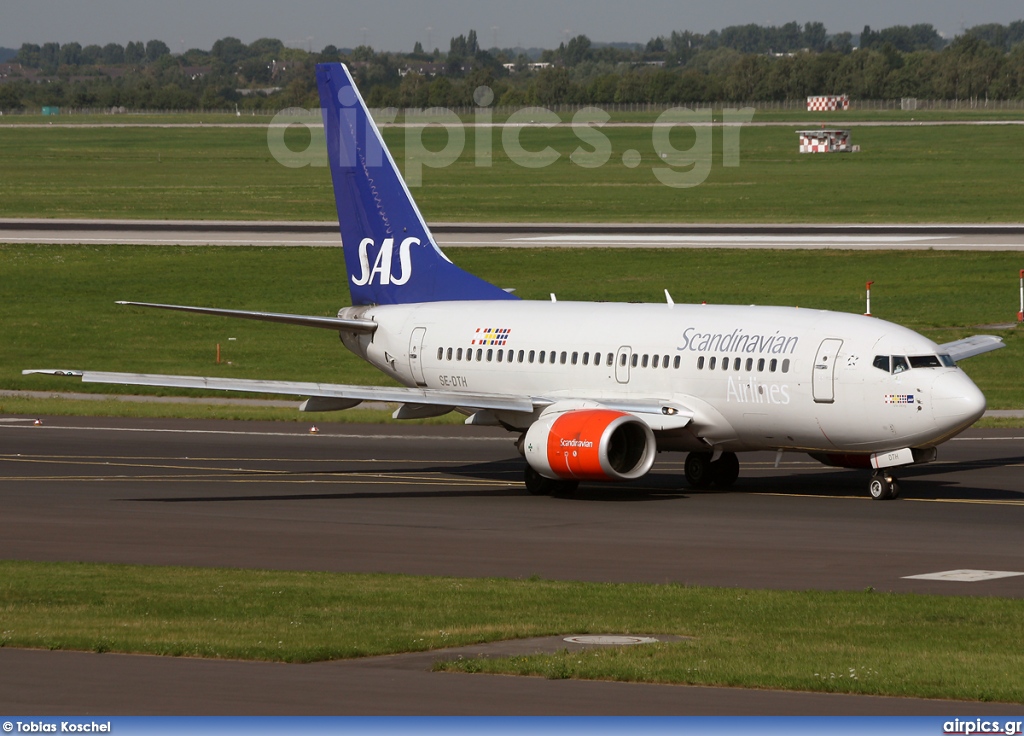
(57, 303)
(763, 114)
(872, 643)
(903, 175)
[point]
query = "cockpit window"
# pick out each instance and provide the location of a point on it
(947, 361)
(899, 364)
(882, 362)
(925, 361)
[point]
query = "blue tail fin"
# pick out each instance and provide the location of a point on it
(390, 254)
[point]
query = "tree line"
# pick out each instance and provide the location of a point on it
(737, 63)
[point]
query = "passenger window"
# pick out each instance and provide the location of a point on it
(440, 353)
(899, 364)
(675, 363)
(664, 361)
(449, 353)
(881, 362)
(760, 365)
(711, 364)
(636, 359)
(611, 359)
(750, 364)
(479, 354)
(586, 358)
(644, 362)
(562, 358)
(511, 357)
(532, 354)
(785, 365)
(553, 356)
(458, 355)
(541, 356)
(490, 354)
(622, 359)
(501, 355)
(773, 365)
(657, 359)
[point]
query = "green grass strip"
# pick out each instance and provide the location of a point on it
(853, 642)
(954, 173)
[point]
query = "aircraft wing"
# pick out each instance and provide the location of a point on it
(971, 346)
(659, 414)
(323, 396)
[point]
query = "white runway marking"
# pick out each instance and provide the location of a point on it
(641, 239)
(964, 576)
(129, 239)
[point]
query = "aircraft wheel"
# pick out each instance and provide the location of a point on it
(883, 488)
(538, 485)
(697, 469)
(725, 470)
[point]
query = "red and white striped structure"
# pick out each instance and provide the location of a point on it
(824, 141)
(828, 103)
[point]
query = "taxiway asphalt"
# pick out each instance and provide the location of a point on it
(449, 501)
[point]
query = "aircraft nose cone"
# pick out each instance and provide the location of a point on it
(956, 400)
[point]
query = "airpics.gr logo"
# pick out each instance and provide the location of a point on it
(383, 264)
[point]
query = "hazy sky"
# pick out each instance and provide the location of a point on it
(395, 25)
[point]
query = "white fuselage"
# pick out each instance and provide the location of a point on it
(754, 377)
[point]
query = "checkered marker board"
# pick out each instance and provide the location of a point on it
(828, 103)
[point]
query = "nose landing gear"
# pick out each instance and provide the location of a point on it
(883, 487)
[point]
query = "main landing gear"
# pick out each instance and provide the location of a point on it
(883, 486)
(538, 485)
(701, 472)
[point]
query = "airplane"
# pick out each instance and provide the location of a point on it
(595, 391)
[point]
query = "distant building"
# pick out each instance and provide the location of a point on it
(196, 72)
(533, 66)
(423, 68)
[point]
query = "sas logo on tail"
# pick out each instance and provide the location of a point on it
(383, 264)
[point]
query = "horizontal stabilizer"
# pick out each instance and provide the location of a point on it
(329, 323)
(971, 346)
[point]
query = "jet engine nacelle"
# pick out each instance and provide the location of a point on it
(590, 444)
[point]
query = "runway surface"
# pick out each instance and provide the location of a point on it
(449, 501)
(527, 235)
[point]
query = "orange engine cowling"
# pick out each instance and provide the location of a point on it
(590, 444)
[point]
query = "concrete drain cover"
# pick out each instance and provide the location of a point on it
(607, 640)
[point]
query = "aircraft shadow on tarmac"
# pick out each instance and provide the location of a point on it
(502, 479)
